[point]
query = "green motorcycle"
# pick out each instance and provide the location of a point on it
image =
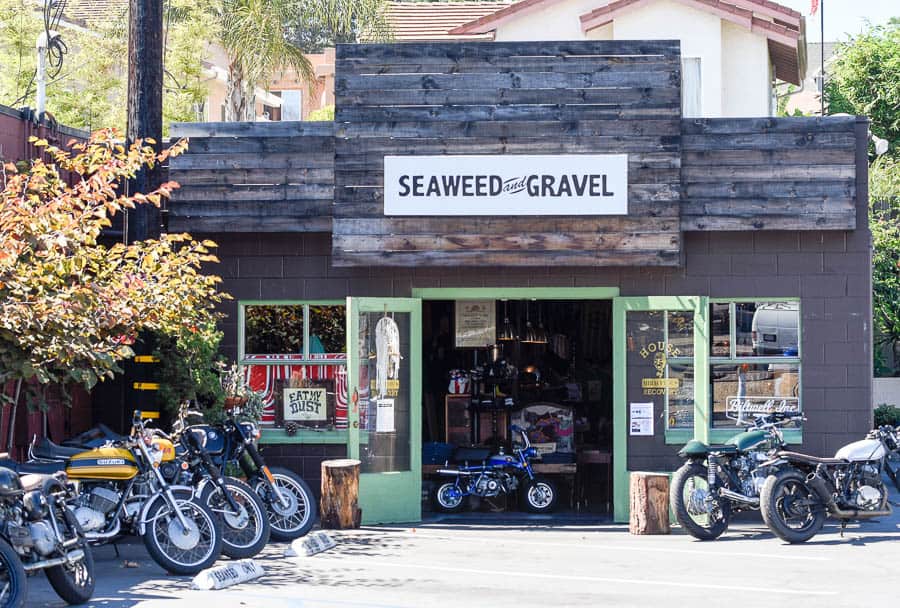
(719, 480)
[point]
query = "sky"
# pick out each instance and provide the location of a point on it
(844, 16)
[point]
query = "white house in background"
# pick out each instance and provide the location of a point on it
(733, 51)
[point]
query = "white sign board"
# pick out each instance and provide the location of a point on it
(219, 577)
(476, 323)
(641, 419)
(506, 185)
(384, 416)
(739, 407)
(305, 404)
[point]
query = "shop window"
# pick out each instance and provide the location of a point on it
(755, 360)
(660, 363)
(295, 354)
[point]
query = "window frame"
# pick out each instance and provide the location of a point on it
(279, 435)
(719, 434)
(299, 106)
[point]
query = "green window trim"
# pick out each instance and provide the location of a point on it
(272, 435)
(306, 360)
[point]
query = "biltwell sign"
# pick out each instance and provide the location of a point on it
(574, 184)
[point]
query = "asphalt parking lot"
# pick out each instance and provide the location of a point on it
(446, 563)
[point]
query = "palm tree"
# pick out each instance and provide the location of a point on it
(261, 36)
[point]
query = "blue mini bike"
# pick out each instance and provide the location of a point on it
(499, 474)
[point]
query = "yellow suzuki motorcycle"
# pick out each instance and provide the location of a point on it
(120, 490)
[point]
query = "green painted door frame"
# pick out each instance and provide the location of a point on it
(621, 306)
(395, 496)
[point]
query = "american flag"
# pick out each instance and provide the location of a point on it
(814, 6)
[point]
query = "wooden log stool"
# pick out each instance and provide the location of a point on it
(649, 503)
(339, 507)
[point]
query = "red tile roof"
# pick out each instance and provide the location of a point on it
(422, 21)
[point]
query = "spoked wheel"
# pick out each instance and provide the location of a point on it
(448, 498)
(790, 508)
(704, 516)
(245, 531)
(180, 549)
(73, 582)
(539, 496)
(293, 511)
(12, 578)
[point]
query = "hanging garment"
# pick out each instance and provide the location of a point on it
(387, 354)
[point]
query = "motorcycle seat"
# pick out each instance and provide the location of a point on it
(39, 467)
(48, 450)
(470, 454)
(811, 459)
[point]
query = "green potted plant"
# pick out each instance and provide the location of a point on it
(234, 385)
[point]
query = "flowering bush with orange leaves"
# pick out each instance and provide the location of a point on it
(70, 306)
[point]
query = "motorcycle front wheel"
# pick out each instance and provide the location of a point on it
(704, 517)
(790, 508)
(295, 518)
(183, 550)
(539, 496)
(12, 578)
(246, 531)
(448, 498)
(73, 582)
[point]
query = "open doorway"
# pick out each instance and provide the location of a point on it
(545, 366)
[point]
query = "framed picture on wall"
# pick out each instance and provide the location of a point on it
(476, 323)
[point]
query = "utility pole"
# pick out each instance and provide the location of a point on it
(145, 88)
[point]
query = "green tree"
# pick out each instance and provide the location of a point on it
(864, 79)
(70, 307)
(261, 36)
(884, 222)
(91, 88)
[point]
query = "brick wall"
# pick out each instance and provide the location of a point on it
(305, 460)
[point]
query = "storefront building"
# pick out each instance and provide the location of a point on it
(496, 233)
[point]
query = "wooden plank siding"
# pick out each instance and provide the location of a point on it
(769, 173)
(697, 174)
(506, 99)
(253, 177)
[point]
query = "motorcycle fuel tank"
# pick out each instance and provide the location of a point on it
(102, 463)
(501, 460)
(866, 449)
(748, 440)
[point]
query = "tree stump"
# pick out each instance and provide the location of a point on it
(339, 507)
(649, 503)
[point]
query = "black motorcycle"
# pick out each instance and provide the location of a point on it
(39, 532)
(245, 521)
(288, 499)
(719, 480)
(806, 489)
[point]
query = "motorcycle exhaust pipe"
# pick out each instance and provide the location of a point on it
(95, 537)
(452, 472)
(751, 501)
(822, 490)
(70, 558)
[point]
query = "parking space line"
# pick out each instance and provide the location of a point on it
(585, 543)
(577, 578)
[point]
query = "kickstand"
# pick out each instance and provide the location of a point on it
(843, 527)
(116, 549)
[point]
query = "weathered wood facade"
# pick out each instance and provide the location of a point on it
(508, 99)
(254, 177)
